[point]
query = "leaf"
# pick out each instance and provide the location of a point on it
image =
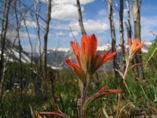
(53, 113)
(126, 55)
(120, 72)
(135, 65)
(32, 113)
(122, 109)
(105, 113)
(99, 95)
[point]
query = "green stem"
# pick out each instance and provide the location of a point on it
(83, 101)
(127, 88)
(84, 97)
(126, 69)
(118, 106)
(121, 86)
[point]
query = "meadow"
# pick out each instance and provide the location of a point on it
(61, 90)
(139, 98)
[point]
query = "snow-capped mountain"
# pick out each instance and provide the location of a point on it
(58, 49)
(59, 62)
(118, 48)
(55, 55)
(11, 52)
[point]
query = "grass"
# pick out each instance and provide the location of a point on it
(140, 100)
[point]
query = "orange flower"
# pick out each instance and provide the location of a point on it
(87, 58)
(77, 69)
(37, 114)
(134, 47)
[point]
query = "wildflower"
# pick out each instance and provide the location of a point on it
(37, 114)
(33, 104)
(90, 59)
(77, 69)
(87, 58)
(55, 97)
(27, 94)
(134, 47)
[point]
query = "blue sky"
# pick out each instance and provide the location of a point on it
(95, 17)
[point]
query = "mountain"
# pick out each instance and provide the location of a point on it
(11, 52)
(55, 57)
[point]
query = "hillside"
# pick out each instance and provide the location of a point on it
(11, 52)
(55, 57)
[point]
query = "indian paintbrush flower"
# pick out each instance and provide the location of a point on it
(87, 58)
(37, 114)
(33, 104)
(134, 47)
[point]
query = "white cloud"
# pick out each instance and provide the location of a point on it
(148, 24)
(114, 14)
(13, 34)
(102, 12)
(69, 1)
(125, 10)
(29, 23)
(60, 33)
(28, 48)
(149, 21)
(26, 35)
(66, 9)
(75, 33)
(91, 26)
(65, 12)
(60, 25)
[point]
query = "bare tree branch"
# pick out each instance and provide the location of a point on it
(73, 35)
(48, 18)
(80, 17)
(112, 6)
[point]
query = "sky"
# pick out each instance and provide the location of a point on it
(95, 18)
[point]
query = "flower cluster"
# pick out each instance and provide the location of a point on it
(88, 61)
(134, 47)
(87, 57)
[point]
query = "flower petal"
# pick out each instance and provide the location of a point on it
(135, 48)
(83, 55)
(93, 45)
(76, 50)
(83, 44)
(91, 49)
(104, 59)
(78, 70)
(134, 44)
(129, 41)
(109, 57)
(37, 114)
(99, 62)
